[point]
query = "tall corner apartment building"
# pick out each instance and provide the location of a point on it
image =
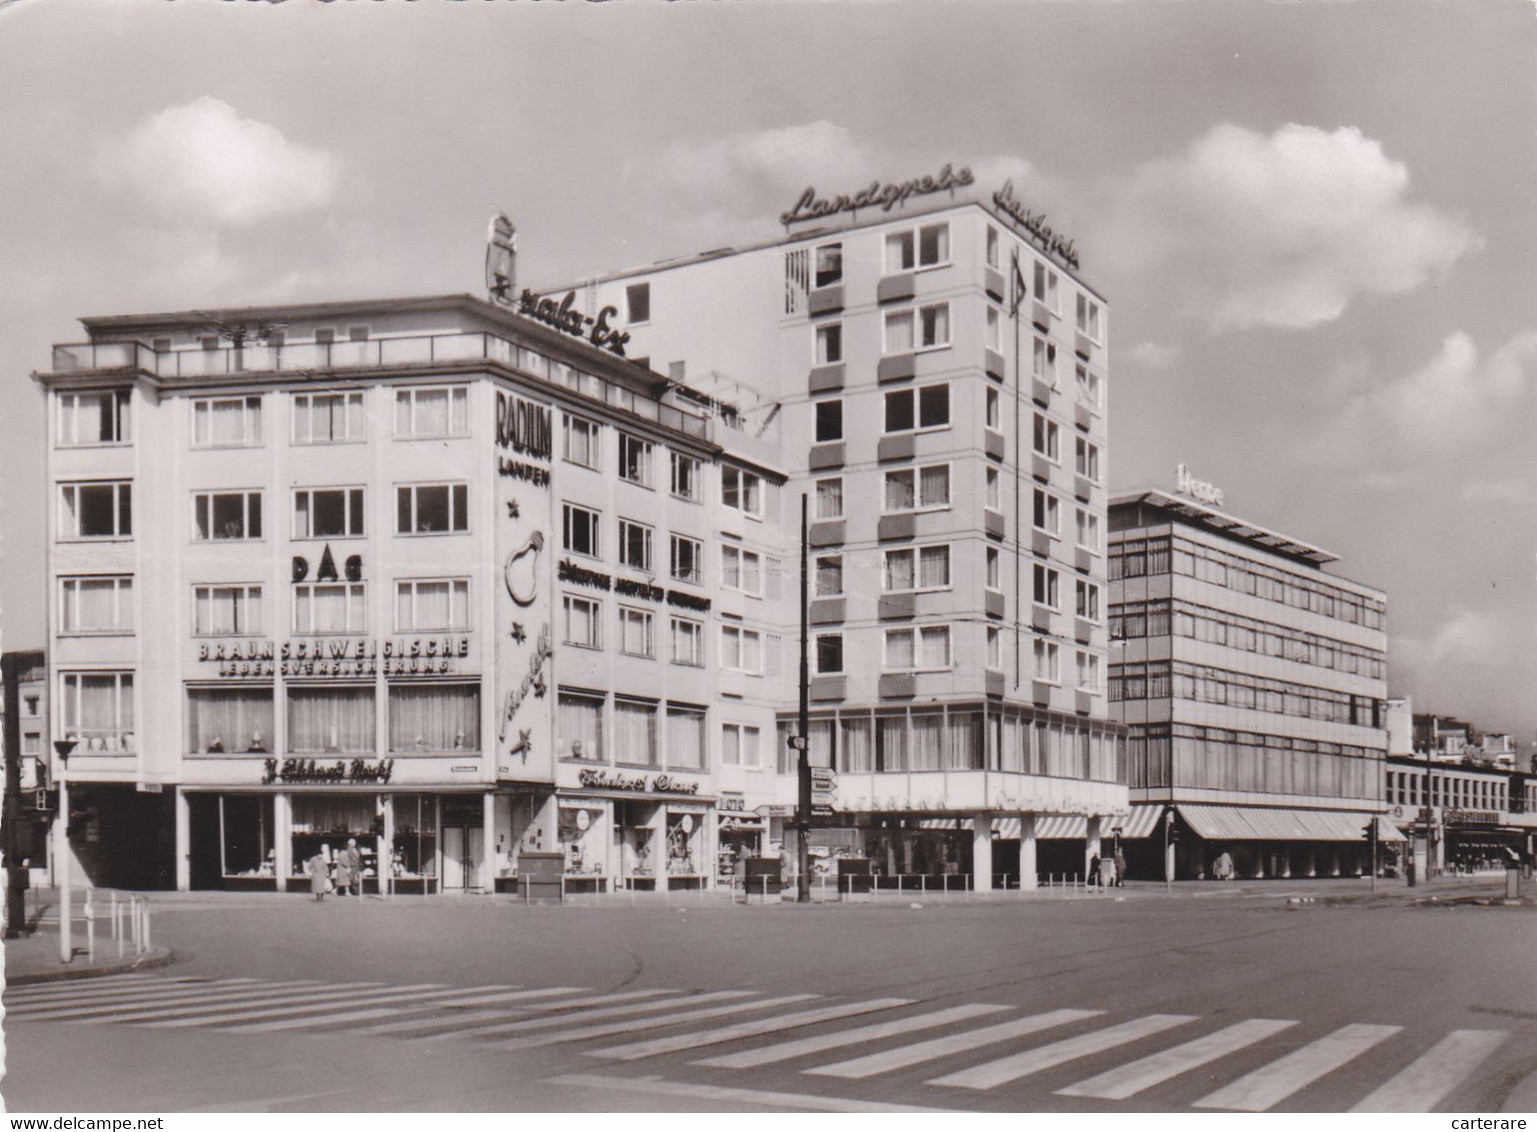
(1253, 688)
(933, 377)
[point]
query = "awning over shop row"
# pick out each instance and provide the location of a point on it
(1246, 823)
(1141, 822)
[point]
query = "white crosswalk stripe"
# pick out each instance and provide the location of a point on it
(1273, 1083)
(510, 994)
(68, 988)
(583, 1016)
(932, 1050)
(106, 998)
(655, 1022)
(436, 1024)
(1435, 1073)
(171, 1003)
(314, 1020)
(1129, 1080)
(239, 1014)
(654, 1046)
(785, 1051)
(994, 1073)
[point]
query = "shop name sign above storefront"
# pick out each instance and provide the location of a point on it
(636, 783)
(357, 771)
(411, 656)
(1035, 226)
(563, 315)
(1470, 817)
(875, 195)
(569, 571)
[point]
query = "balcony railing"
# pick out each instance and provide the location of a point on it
(231, 360)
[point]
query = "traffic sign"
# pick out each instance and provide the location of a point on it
(823, 778)
(796, 742)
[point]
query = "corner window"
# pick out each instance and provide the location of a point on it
(421, 412)
(994, 569)
(1048, 439)
(583, 625)
(687, 559)
(992, 247)
(829, 425)
(634, 460)
(432, 605)
(994, 647)
(926, 329)
(95, 418)
(330, 607)
(635, 632)
(685, 477)
(933, 326)
(581, 447)
(581, 531)
(97, 711)
(829, 575)
(1046, 287)
(227, 611)
(96, 510)
(741, 570)
(741, 491)
(96, 605)
(829, 265)
(432, 509)
(1088, 317)
(227, 422)
(637, 297)
(741, 650)
(924, 648)
(829, 343)
(634, 545)
(916, 568)
(829, 504)
(993, 490)
(829, 654)
(917, 489)
(687, 642)
(328, 513)
(993, 329)
(993, 410)
(328, 418)
(226, 515)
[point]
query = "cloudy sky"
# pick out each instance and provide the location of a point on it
(1313, 219)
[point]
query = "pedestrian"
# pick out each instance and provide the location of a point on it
(1094, 869)
(320, 874)
(1120, 868)
(1224, 866)
(341, 874)
(353, 858)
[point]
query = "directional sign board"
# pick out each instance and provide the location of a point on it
(823, 778)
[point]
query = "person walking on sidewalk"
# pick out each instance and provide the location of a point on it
(1120, 868)
(353, 860)
(320, 874)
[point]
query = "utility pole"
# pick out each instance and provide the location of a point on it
(63, 748)
(15, 890)
(803, 808)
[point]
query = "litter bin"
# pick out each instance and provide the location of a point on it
(1512, 882)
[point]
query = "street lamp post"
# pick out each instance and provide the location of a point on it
(63, 748)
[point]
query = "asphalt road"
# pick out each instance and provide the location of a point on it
(1214, 999)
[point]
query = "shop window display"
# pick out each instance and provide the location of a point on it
(582, 834)
(325, 824)
(245, 825)
(683, 844)
(414, 855)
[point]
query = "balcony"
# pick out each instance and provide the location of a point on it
(900, 525)
(992, 363)
(896, 367)
(824, 456)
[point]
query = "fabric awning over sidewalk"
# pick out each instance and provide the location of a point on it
(1245, 823)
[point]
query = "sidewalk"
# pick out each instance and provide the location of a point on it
(34, 958)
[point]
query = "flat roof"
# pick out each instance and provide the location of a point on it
(1199, 514)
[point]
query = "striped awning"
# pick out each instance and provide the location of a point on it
(1388, 831)
(1253, 823)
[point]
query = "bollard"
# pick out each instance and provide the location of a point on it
(113, 912)
(90, 932)
(146, 926)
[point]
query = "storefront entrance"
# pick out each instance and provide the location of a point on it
(464, 845)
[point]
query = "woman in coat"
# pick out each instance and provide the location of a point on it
(320, 874)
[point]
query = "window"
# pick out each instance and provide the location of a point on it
(1088, 387)
(96, 418)
(1043, 363)
(635, 632)
(328, 418)
(932, 329)
(993, 498)
(227, 611)
(580, 727)
(581, 531)
(924, 648)
(227, 515)
(994, 411)
(96, 605)
(830, 498)
(434, 717)
(1046, 286)
(910, 489)
(634, 545)
(1047, 587)
(994, 571)
(829, 575)
(921, 568)
(1088, 317)
(993, 336)
(994, 647)
(328, 513)
(1047, 442)
(432, 605)
(1088, 672)
(739, 746)
(897, 332)
(687, 559)
(829, 421)
(325, 336)
(1087, 603)
(424, 412)
(227, 422)
(932, 244)
(637, 298)
(685, 737)
(687, 642)
(685, 476)
(357, 334)
(741, 491)
(635, 740)
(829, 343)
(583, 622)
(581, 436)
(829, 265)
(741, 570)
(331, 720)
(1088, 529)
(900, 252)
(634, 460)
(330, 607)
(98, 711)
(741, 650)
(1086, 459)
(1048, 662)
(96, 510)
(992, 247)
(1047, 513)
(927, 407)
(829, 654)
(432, 509)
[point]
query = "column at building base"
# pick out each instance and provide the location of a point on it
(982, 852)
(1027, 865)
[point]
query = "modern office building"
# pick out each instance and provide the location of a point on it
(1252, 685)
(924, 364)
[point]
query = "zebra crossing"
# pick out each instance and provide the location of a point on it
(945, 1052)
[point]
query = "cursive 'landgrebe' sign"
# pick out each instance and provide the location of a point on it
(875, 195)
(1034, 223)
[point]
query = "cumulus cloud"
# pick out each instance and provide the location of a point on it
(204, 164)
(1154, 356)
(1466, 638)
(1285, 229)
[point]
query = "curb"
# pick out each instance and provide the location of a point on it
(158, 957)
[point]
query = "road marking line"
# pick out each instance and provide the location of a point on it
(609, 1012)
(784, 1051)
(512, 995)
(1435, 1073)
(731, 1096)
(67, 987)
(1128, 1080)
(653, 1046)
(934, 1048)
(304, 1023)
(129, 994)
(437, 1024)
(170, 1004)
(1273, 1083)
(197, 1017)
(655, 1022)
(991, 1074)
(596, 1000)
